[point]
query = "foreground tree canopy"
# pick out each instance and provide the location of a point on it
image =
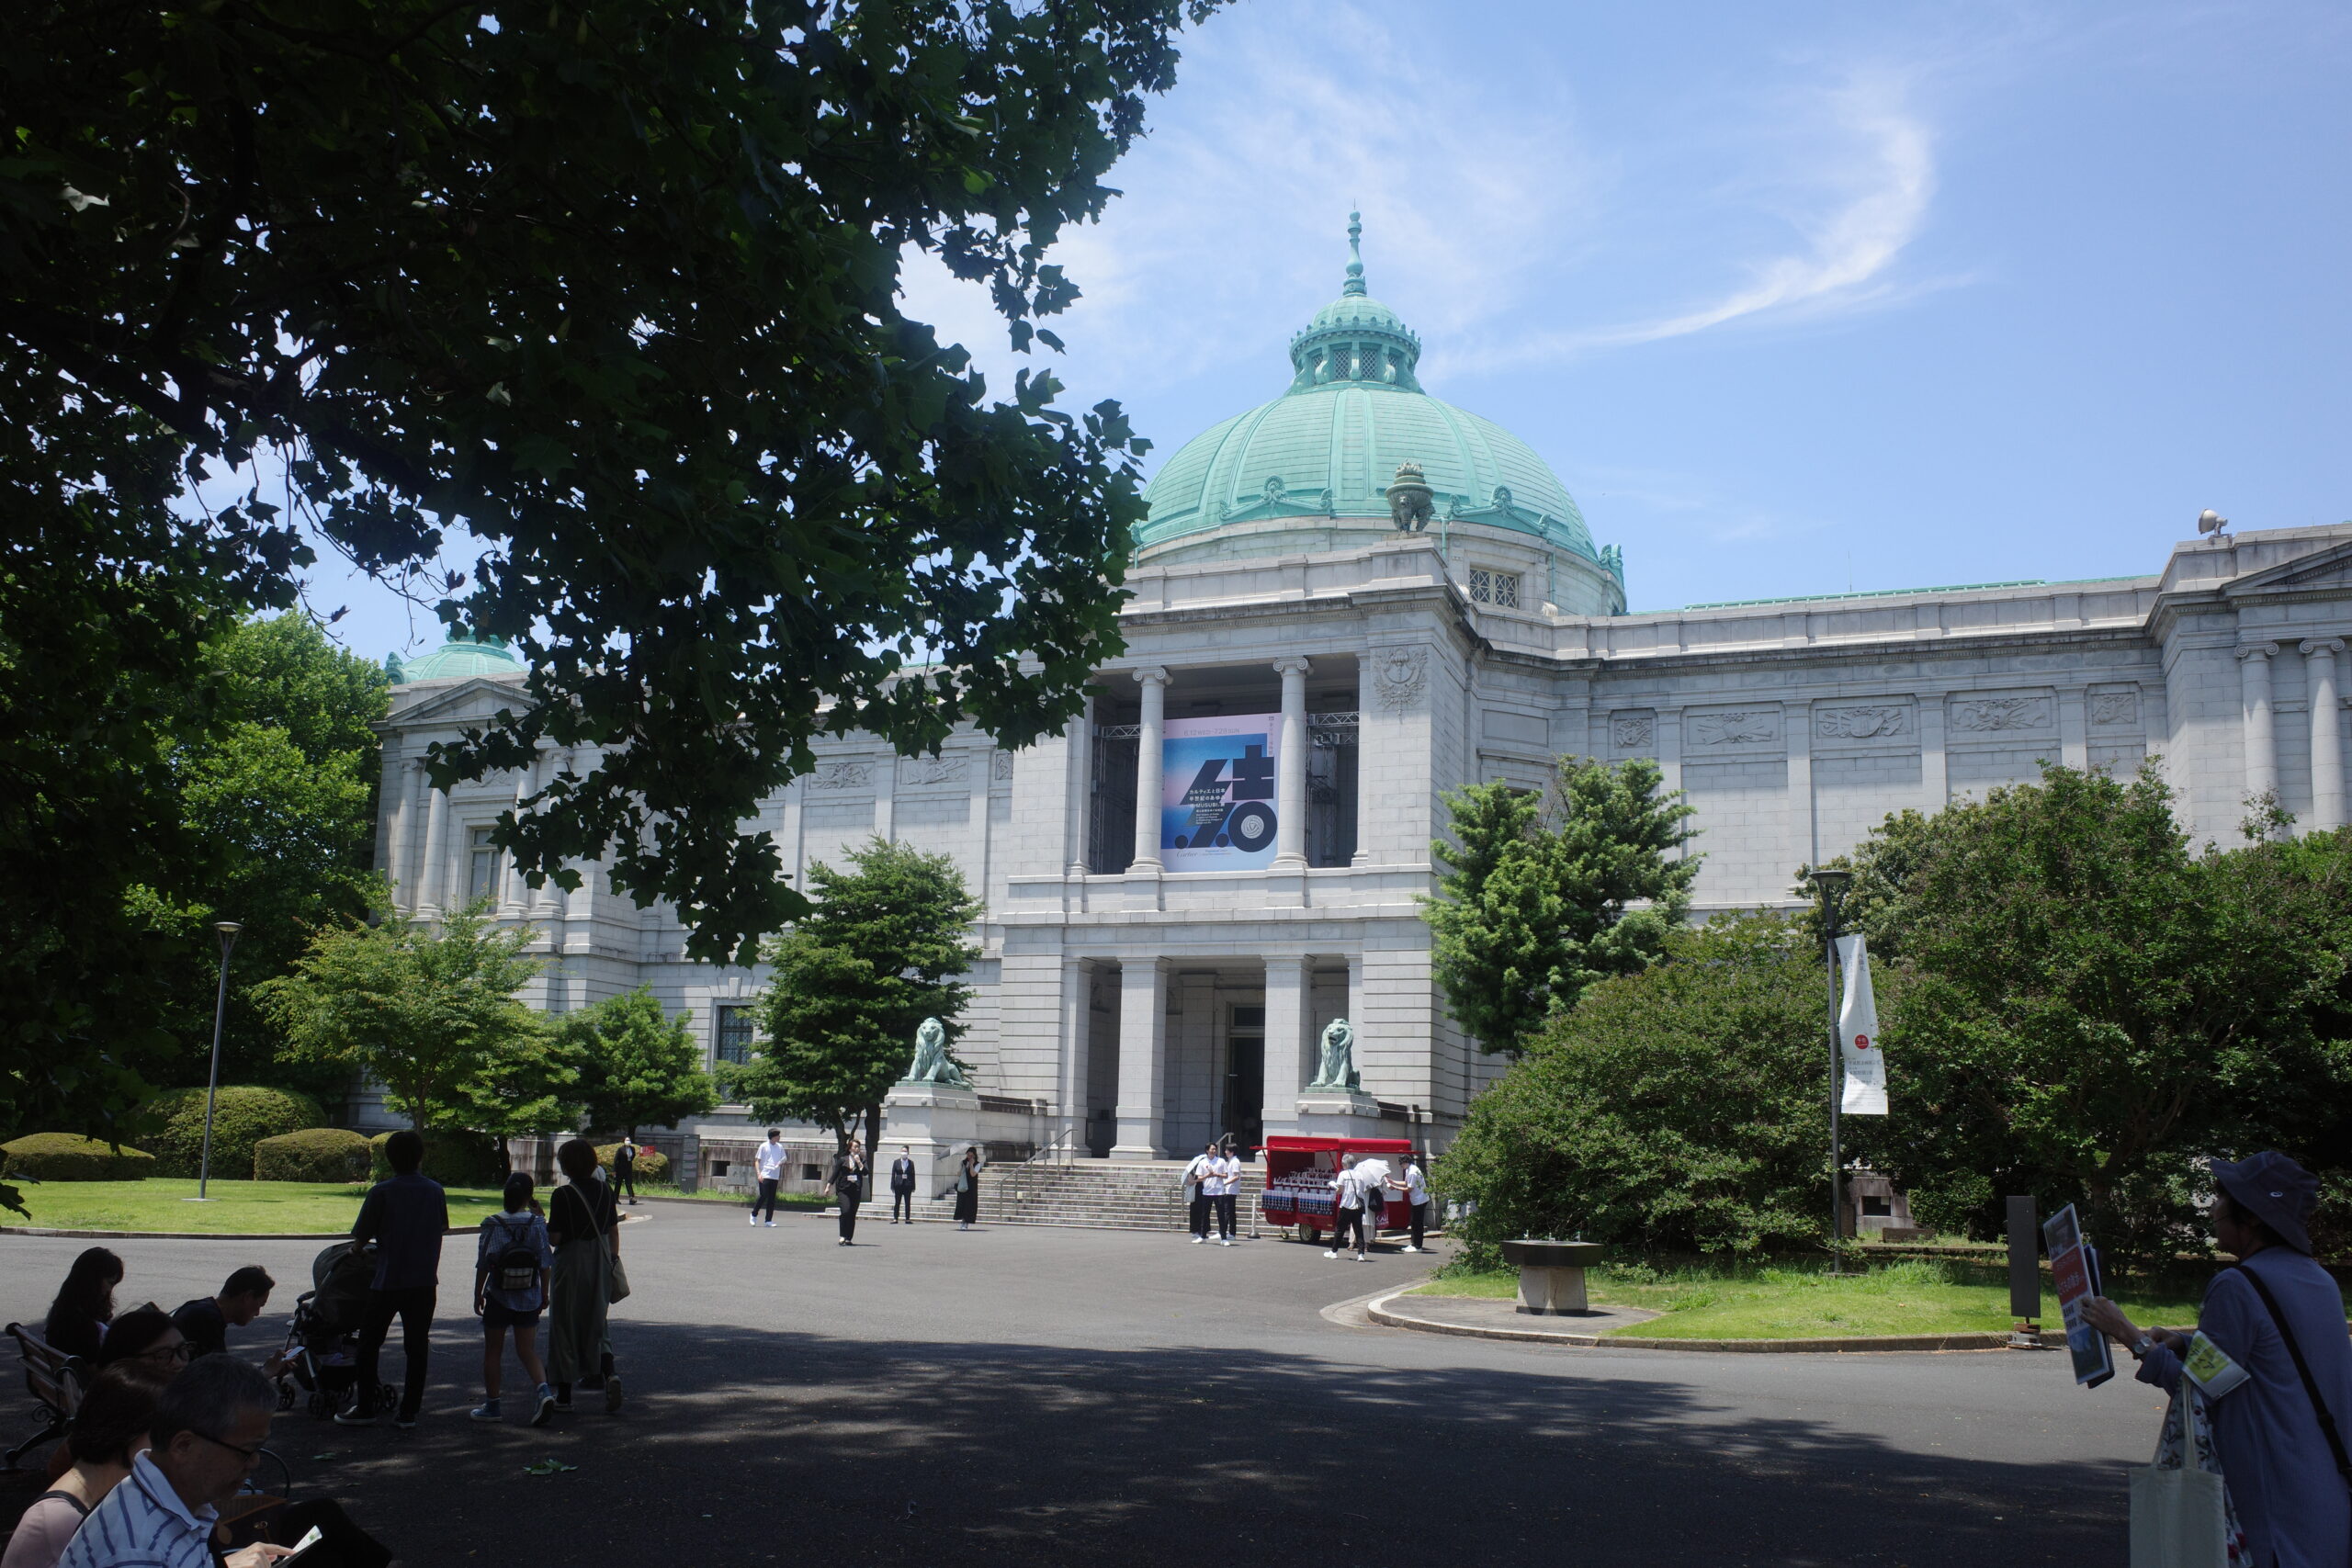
(614, 290)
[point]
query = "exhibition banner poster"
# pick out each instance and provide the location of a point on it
(1858, 1042)
(2074, 1269)
(1216, 792)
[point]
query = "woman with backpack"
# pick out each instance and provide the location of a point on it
(584, 1226)
(511, 1269)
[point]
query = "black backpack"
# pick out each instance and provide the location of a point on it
(516, 1269)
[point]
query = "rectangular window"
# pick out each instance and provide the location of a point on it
(1507, 589)
(732, 1034)
(481, 865)
(1482, 585)
(718, 1166)
(810, 1173)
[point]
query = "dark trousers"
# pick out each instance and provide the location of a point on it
(1344, 1220)
(1226, 1204)
(848, 1217)
(1200, 1213)
(414, 1306)
(341, 1543)
(1420, 1219)
(767, 1196)
(902, 1207)
(625, 1180)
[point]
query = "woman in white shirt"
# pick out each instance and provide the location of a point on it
(1347, 1209)
(1224, 1187)
(1197, 1199)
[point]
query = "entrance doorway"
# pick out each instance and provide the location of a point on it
(1243, 1111)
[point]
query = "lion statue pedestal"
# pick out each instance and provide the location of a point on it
(933, 1110)
(1335, 1105)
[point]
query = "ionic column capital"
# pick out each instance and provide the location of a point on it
(1292, 666)
(1151, 675)
(2319, 647)
(2257, 650)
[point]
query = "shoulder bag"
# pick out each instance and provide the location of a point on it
(2302, 1369)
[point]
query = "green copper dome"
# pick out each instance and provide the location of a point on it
(1329, 446)
(455, 659)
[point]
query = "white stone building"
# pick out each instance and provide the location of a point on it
(1136, 1004)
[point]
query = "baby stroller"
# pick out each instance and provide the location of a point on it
(322, 1347)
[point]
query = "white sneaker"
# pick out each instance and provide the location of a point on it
(1333, 1253)
(1227, 1242)
(1408, 1249)
(771, 1224)
(754, 1218)
(1198, 1239)
(1362, 1259)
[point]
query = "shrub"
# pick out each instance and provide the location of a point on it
(653, 1166)
(1681, 1110)
(314, 1154)
(452, 1159)
(69, 1157)
(244, 1115)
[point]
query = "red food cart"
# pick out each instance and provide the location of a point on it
(1299, 1171)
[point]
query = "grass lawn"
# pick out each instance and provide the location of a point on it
(782, 1199)
(1769, 1301)
(237, 1208)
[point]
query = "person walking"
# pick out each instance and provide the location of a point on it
(1197, 1201)
(1415, 1186)
(846, 1182)
(967, 1190)
(1347, 1209)
(403, 1216)
(2281, 1435)
(902, 1186)
(625, 1172)
(1224, 1174)
(511, 1268)
(768, 1162)
(583, 1229)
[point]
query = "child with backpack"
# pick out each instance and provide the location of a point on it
(509, 1292)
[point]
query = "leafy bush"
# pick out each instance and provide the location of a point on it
(243, 1116)
(69, 1157)
(315, 1154)
(654, 1167)
(1684, 1109)
(452, 1159)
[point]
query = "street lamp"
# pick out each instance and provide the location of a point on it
(1832, 886)
(228, 930)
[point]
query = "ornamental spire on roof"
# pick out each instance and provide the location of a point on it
(1355, 255)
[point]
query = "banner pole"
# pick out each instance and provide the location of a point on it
(1832, 884)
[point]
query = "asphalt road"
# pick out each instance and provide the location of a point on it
(1051, 1396)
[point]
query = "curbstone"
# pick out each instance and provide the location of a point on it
(1379, 1312)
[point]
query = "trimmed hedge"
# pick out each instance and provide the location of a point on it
(244, 1115)
(453, 1159)
(315, 1154)
(69, 1157)
(654, 1167)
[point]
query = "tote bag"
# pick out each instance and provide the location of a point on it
(2181, 1515)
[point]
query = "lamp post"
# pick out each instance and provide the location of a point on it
(228, 930)
(1832, 886)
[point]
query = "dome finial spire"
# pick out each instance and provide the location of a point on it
(1355, 255)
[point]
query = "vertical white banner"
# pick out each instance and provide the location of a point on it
(1858, 1035)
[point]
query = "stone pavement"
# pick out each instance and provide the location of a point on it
(1036, 1396)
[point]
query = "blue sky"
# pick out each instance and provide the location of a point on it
(1793, 297)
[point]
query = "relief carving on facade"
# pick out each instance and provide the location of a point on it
(1736, 729)
(1984, 715)
(1632, 731)
(950, 767)
(2115, 707)
(1870, 723)
(1399, 676)
(841, 775)
(1001, 767)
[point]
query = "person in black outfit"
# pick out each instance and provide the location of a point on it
(77, 1319)
(846, 1182)
(625, 1173)
(404, 1217)
(206, 1321)
(902, 1186)
(968, 1190)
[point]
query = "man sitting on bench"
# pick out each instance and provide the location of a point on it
(205, 1322)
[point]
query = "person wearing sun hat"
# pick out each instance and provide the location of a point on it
(2280, 1435)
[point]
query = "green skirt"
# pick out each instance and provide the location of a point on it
(576, 1306)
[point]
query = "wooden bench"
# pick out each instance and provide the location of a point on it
(55, 1381)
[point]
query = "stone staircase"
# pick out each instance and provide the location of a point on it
(1093, 1194)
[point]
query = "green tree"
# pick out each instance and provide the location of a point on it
(430, 1014)
(616, 289)
(1538, 898)
(851, 983)
(2088, 1006)
(636, 1068)
(1680, 1108)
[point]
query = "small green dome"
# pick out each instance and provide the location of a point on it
(1329, 446)
(457, 659)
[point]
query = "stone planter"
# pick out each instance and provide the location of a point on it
(1551, 1274)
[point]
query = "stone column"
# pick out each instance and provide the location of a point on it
(2074, 729)
(1143, 1053)
(437, 852)
(1290, 1039)
(2327, 733)
(1802, 848)
(514, 895)
(402, 850)
(1153, 680)
(1290, 776)
(1076, 1025)
(1078, 787)
(2261, 743)
(885, 797)
(1935, 780)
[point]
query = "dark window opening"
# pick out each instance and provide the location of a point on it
(732, 1038)
(810, 1173)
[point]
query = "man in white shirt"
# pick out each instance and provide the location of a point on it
(1416, 1188)
(1196, 1191)
(1224, 1188)
(1347, 1209)
(769, 1163)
